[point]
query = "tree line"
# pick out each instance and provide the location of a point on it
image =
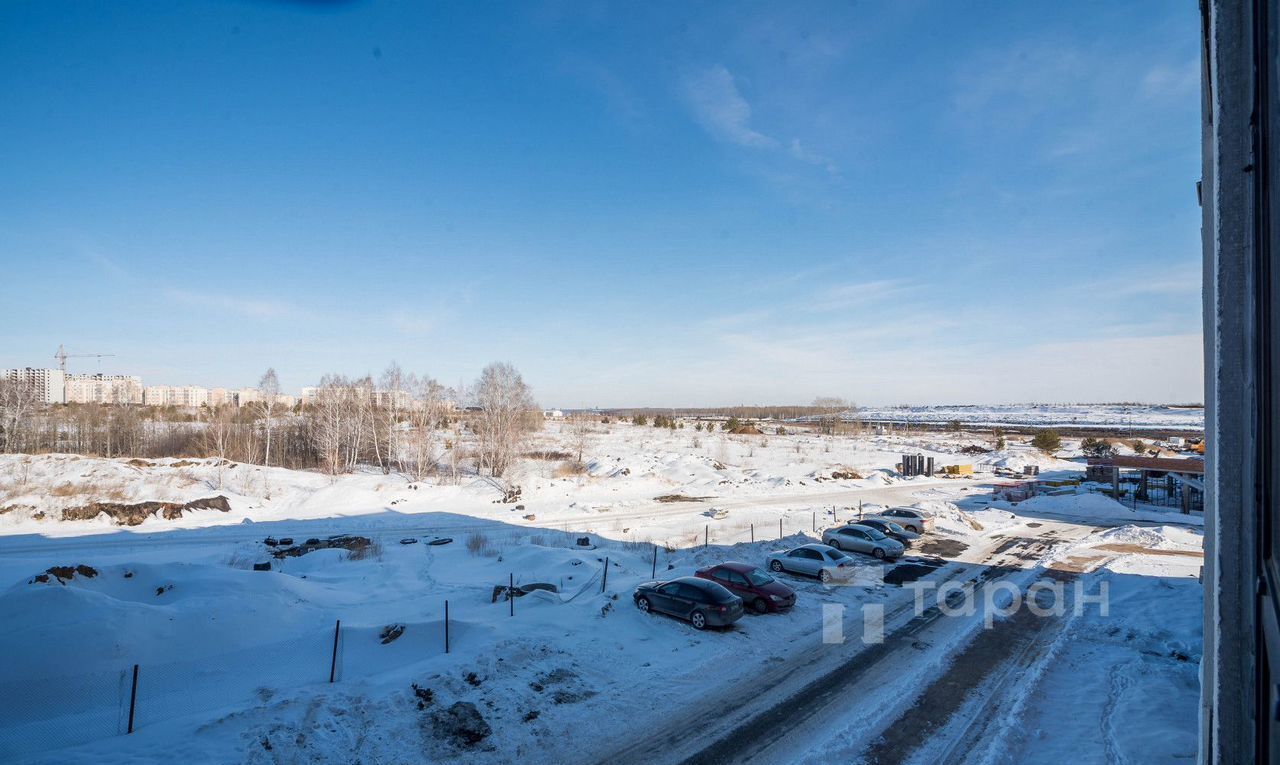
(401, 422)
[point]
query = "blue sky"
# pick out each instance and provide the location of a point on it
(636, 204)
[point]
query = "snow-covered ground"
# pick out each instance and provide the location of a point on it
(1110, 416)
(233, 664)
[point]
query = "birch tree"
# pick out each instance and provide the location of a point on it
(216, 440)
(420, 450)
(269, 388)
(329, 420)
(503, 423)
(580, 431)
(19, 402)
(395, 388)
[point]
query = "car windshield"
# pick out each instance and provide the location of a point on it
(875, 533)
(837, 556)
(759, 578)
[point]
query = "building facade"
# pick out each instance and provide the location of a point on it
(103, 389)
(176, 395)
(51, 383)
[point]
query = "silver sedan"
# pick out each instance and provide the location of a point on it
(909, 518)
(863, 539)
(822, 561)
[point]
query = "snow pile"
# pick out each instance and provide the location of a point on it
(1016, 459)
(1156, 538)
(1096, 505)
(1134, 535)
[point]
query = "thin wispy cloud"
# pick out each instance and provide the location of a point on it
(852, 294)
(108, 265)
(804, 154)
(721, 110)
(253, 308)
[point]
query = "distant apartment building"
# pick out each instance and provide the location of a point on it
(103, 389)
(51, 383)
(176, 395)
(385, 398)
(56, 387)
(397, 399)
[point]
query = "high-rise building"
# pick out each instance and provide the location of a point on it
(176, 395)
(103, 389)
(51, 383)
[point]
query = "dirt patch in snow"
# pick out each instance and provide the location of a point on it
(461, 725)
(678, 498)
(64, 574)
(1139, 549)
(133, 514)
(945, 548)
(356, 545)
(911, 571)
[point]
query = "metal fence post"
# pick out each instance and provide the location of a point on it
(753, 532)
(511, 593)
(655, 561)
(333, 662)
(133, 697)
(446, 626)
(604, 582)
(706, 535)
(815, 520)
(779, 528)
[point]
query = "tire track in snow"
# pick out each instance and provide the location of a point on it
(749, 718)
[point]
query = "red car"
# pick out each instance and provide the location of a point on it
(759, 591)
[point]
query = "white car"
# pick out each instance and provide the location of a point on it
(909, 518)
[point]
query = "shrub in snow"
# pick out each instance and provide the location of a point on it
(1047, 441)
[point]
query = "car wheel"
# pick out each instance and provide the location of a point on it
(913, 529)
(699, 620)
(775, 566)
(760, 606)
(643, 604)
(878, 553)
(836, 544)
(825, 576)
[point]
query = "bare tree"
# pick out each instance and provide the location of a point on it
(330, 422)
(580, 431)
(269, 389)
(19, 402)
(505, 418)
(216, 439)
(419, 451)
(830, 409)
(395, 390)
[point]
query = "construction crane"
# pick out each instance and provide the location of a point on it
(62, 357)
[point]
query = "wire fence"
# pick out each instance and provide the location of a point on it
(40, 713)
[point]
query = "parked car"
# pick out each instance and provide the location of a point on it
(701, 602)
(909, 518)
(863, 539)
(759, 591)
(822, 561)
(890, 529)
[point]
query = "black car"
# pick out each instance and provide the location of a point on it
(703, 603)
(891, 530)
